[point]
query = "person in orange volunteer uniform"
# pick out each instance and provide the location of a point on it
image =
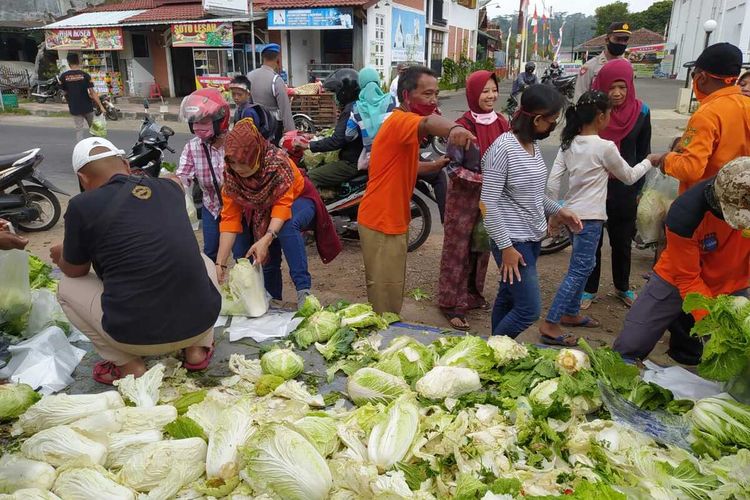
(384, 213)
(719, 131)
(708, 252)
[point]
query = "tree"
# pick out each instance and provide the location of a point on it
(608, 14)
(655, 18)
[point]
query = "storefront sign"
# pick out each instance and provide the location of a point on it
(644, 70)
(202, 35)
(220, 83)
(571, 68)
(333, 18)
(407, 35)
(84, 39)
(661, 47)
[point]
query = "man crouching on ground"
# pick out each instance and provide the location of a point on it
(153, 292)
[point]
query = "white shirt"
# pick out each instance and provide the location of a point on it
(589, 161)
(393, 89)
(513, 193)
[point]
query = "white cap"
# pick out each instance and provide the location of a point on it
(82, 152)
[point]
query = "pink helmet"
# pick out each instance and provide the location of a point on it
(206, 103)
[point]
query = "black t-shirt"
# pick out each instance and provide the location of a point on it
(76, 84)
(156, 288)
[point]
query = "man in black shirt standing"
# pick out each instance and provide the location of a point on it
(79, 92)
(153, 292)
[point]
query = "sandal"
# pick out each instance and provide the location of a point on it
(452, 317)
(627, 298)
(106, 372)
(565, 340)
(587, 299)
(587, 322)
(203, 364)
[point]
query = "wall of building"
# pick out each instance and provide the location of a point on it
(687, 33)
(463, 22)
(160, 64)
(304, 45)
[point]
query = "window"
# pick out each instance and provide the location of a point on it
(140, 45)
(437, 13)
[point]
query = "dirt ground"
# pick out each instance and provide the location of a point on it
(344, 279)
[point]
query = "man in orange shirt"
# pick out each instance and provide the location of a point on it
(384, 214)
(719, 131)
(708, 252)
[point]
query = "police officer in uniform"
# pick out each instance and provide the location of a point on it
(618, 36)
(269, 89)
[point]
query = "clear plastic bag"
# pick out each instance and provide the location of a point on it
(480, 240)
(657, 196)
(247, 284)
(99, 126)
(45, 312)
(191, 210)
(15, 291)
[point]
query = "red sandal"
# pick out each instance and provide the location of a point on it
(106, 372)
(203, 364)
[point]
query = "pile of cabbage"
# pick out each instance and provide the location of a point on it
(462, 417)
(313, 160)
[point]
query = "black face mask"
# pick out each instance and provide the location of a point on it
(616, 49)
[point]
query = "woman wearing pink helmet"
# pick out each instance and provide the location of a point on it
(202, 160)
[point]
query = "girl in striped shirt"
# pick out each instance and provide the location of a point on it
(516, 208)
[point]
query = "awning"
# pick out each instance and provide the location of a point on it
(94, 19)
(484, 33)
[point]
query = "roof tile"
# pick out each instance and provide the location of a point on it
(307, 4)
(173, 12)
(639, 37)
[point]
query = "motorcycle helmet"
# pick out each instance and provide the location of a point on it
(267, 123)
(554, 65)
(530, 67)
(206, 103)
(345, 84)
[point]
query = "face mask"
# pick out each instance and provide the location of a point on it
(540, 136)
(616, 49)
(204, 131)
(699, 94)
(422, 109)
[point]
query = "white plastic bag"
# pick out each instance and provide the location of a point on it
(45, 312)
(275, 324)
(98, 126)
(657, 196)
(15, 291)
(191, 210)
(247, 285)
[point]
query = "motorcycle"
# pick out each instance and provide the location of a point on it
(111, 111)
(48, 89)
(147, 153)
(438, 144)
(27, 198)
(566, 85)
(514, 100)
(343, 206)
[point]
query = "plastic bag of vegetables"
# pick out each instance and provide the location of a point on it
(98, 126)
(657, 196)
(15, 292)
(247, 285)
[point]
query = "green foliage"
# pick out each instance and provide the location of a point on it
(655, 18)
(455, 73)
(610, 13)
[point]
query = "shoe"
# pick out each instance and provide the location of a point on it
(203, 364)
(106, 372)
(301, 296)
(587, 299)
(627, 298)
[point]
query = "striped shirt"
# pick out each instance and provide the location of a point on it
(513, 193)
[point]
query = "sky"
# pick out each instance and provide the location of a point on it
(500, 7)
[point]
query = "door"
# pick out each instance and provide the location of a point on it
(182, 70)
(142, 73)
(436, 51)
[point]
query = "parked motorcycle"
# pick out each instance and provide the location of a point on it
(147, 153)
(111, 111)
(48, 89)
(343, 207)
(27, 198)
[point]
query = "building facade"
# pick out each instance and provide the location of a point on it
(687, 33)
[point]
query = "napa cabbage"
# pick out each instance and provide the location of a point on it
(448, 382)
(319, 327)
(283, 363)
(470, 352)
(90, 483)
(370, 385)
(16, 399)
(63, 409)
(321, 431)
(506, 350)
(232, 430)
(144, 390)
(60, 444)
(392, 436)
(17, 472)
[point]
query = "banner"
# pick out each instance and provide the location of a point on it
(202, 35)
(220, 83)
(407, 35)
(331, 18)
(84, 39)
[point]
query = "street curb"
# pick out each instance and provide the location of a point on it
(123, 115)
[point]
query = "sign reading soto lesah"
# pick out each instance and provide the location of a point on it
(202, 35)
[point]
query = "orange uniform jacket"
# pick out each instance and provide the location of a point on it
(718, 132)
(231, 214)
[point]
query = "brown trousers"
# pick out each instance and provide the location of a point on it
(385, 268)
(81, 300)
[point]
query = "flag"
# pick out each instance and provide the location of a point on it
(559, 42)
(544, 30)
(535, 23)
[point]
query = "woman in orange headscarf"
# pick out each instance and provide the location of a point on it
(265, 187)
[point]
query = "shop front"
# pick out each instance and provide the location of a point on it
(98, 50)
(317, 41)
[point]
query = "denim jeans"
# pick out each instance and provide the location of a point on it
(519, 305)
(292, 244)
(567, 300)
(211, 237)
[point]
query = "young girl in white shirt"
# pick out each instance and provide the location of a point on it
(589, 161)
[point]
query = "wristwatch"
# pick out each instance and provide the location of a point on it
(273, 234)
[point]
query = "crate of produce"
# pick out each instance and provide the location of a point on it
(321, 108)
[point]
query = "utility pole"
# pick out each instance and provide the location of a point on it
(520, 33)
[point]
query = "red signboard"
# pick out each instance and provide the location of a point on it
(84, 39)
